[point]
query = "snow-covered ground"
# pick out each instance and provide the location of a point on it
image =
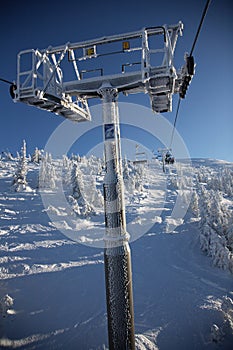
(52, 289)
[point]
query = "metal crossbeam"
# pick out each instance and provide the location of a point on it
(40, 80)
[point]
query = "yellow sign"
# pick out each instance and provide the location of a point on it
(125, 45)
(90, 51)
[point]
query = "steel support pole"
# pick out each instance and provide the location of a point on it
(117, 257)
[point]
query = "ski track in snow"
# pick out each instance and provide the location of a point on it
(58, 285)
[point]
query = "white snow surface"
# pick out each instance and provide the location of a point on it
(52, 289)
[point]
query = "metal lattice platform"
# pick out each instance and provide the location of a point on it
(40, 79)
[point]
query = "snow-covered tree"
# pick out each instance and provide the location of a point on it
(95, 195)
(6, 302)
(129, 177)
(77, 181)
(47, 174)
(37, 155)
(229, 234)
(125, 167)
(173, 182)
(217, 180)
(215, 227)
(7, 155)
(75, 157)
(20, 182)
(227, 181)
(216, 333)
(138, 174)
(194, 204)
(227, 312)
(78, 202)
(66, 170)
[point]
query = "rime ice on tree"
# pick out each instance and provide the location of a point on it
(47, 174)
(20, 182)
(79, 204)
(216, 222)
(36, 157)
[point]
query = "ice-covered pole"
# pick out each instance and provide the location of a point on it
(117, 257)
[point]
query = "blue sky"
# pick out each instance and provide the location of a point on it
(205, 120)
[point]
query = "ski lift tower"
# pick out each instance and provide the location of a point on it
(143, 63)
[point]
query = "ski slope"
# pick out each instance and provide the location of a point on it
(55, 286)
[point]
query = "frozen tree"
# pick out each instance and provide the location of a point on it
(75, 157)
(227, 306)
(215, 182)
(128, 177)
(134, 185)
(227, 311)
(229, 241)
(225, 329)
(218, 251)
(5, 304)
(204, 174)
(220, 180)
(77, 181)
(205, 238)
(210, 202)
(66, 170)
(20, 181)
(7, 155)
(216, 333)
(215, 228)
(77, 199)
(95, 195)
(138, 173)
(74, 205)
(229, 233)
(100, 166)
(195, 204)
(125, 170)
(217, 218)
(173, 182)
(36, 157)
(47, 175)
(65, 161)
(227, 181)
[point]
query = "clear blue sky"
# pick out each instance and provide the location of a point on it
(205, 121)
